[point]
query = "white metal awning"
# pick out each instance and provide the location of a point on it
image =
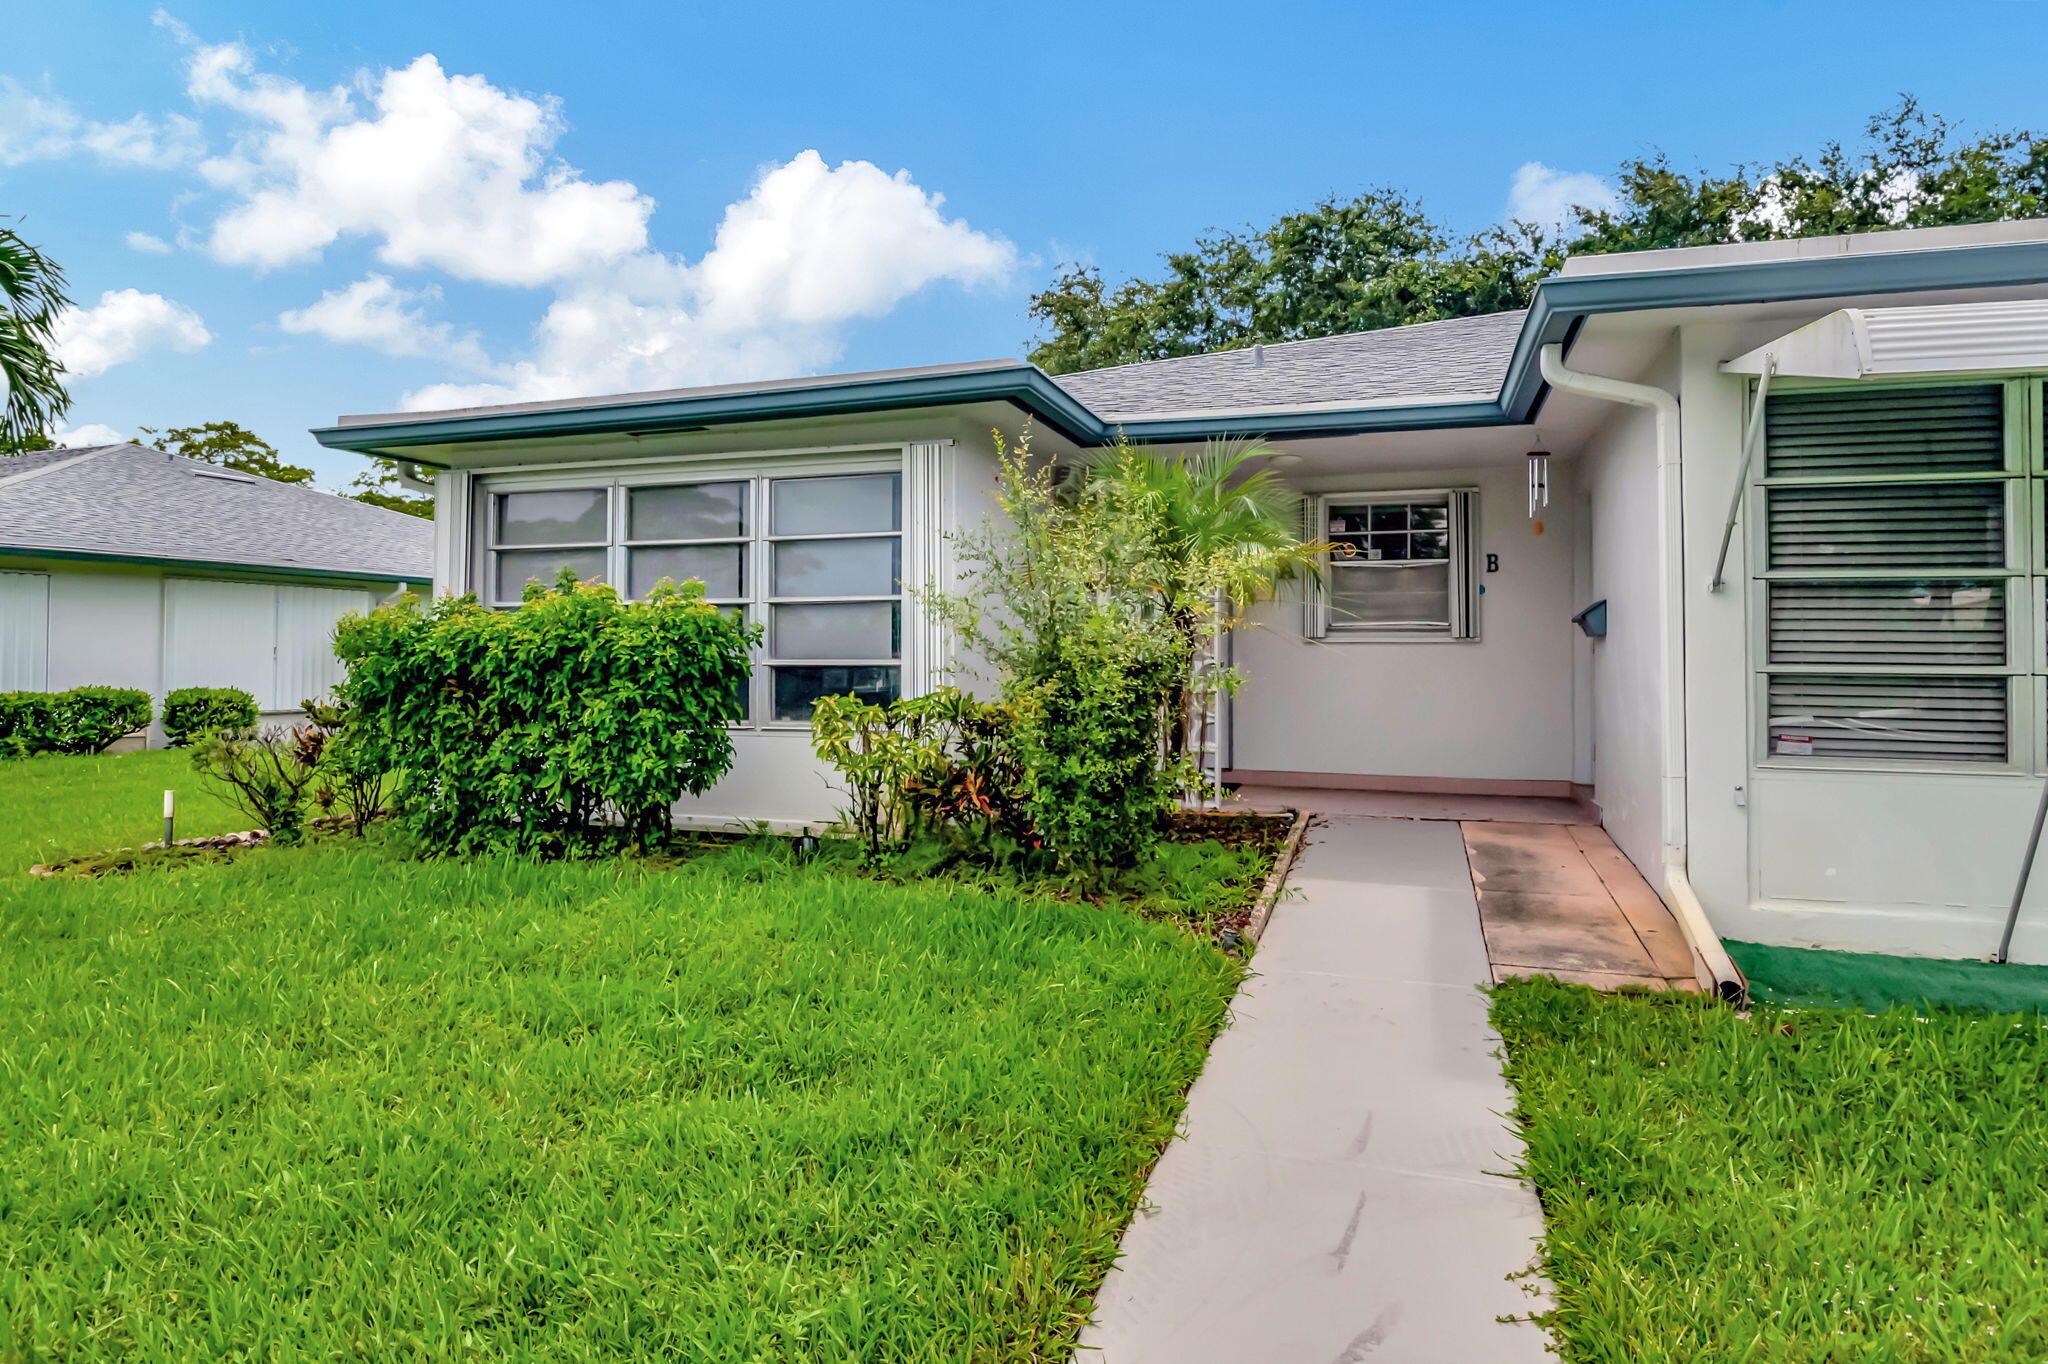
(1866, 343)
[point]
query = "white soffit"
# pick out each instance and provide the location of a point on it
(1865, 343)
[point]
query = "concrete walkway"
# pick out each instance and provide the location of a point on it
(1331, 1201)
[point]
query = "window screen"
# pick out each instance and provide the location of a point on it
(1886, 575)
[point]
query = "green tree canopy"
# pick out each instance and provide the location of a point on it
(1378, 260)
(380, 488)
(32, 298)
(1345, 265)
(232, 447)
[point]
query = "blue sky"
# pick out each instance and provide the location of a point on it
(274, 214)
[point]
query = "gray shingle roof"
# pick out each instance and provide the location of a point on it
(1463, 356)
(130, 501)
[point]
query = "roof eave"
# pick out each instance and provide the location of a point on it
(1025, 385)
(365, 576)
(1563, 302)
(1560, 305)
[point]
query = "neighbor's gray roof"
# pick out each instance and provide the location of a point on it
(129, 502)
(1460, 357)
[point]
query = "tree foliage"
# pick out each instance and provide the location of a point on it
(32, 297)
(1344, 265)
(1379, 260)
(380, 488)
(231, 446)
(1093, 600)
(1226, 534)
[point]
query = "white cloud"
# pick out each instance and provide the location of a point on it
(1546, 197)
(449, 174)
(147, 243)
(37, 127)
(446, 172)
(125, 325)
(91, 433)
(811, 248)
(376, 313)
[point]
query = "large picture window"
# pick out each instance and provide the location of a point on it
(1889, 560)
(815, 558)
(1400, 566)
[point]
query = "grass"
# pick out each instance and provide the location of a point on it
(330, 1103)
(66, 807)
(1820, 1187)
(1802, 977)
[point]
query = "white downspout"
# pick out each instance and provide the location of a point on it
(407, 475)
(1717, 971)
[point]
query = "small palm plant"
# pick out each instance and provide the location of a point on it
(32, 297)
(1225, 537)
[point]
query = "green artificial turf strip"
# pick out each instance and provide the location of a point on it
(56, 807)
(1810, 978)
(326, 1103)
(1820, 1187)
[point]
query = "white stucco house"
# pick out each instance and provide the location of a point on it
(128, 567)
(1830, 734)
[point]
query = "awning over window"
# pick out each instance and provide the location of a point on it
(1866, 343)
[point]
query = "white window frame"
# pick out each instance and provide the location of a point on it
(767, 540)
(758, 472)
(1462, 530)
(494, 545)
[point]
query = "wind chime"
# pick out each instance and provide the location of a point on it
(1539, 485)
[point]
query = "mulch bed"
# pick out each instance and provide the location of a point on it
(1232, 829)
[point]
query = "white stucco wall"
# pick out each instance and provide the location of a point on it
(1625, 670)
(1495, 708)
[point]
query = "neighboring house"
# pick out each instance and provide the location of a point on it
(1840, 741)
(124, 566)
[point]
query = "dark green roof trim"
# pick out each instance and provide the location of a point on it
(1561, 304)
(323, 576)
(1025, 385)
(1564, 301)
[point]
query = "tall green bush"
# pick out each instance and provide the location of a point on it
(81, 720)
(1061, 594)
(190, 711)
(544, 727)
(1087, 741)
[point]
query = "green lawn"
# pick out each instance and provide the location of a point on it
(1816, 1187)
(52, 808)
(330, 1103)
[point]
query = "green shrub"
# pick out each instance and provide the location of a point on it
(82, 720)
(1088, 742)
(1063, 596)
(350, 778)
(264, 775)
(543, 727)
(199, 710)
(938, 766)
(27, 720)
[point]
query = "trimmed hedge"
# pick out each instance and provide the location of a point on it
(206, 710)
(575, 718)
(82, 720)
